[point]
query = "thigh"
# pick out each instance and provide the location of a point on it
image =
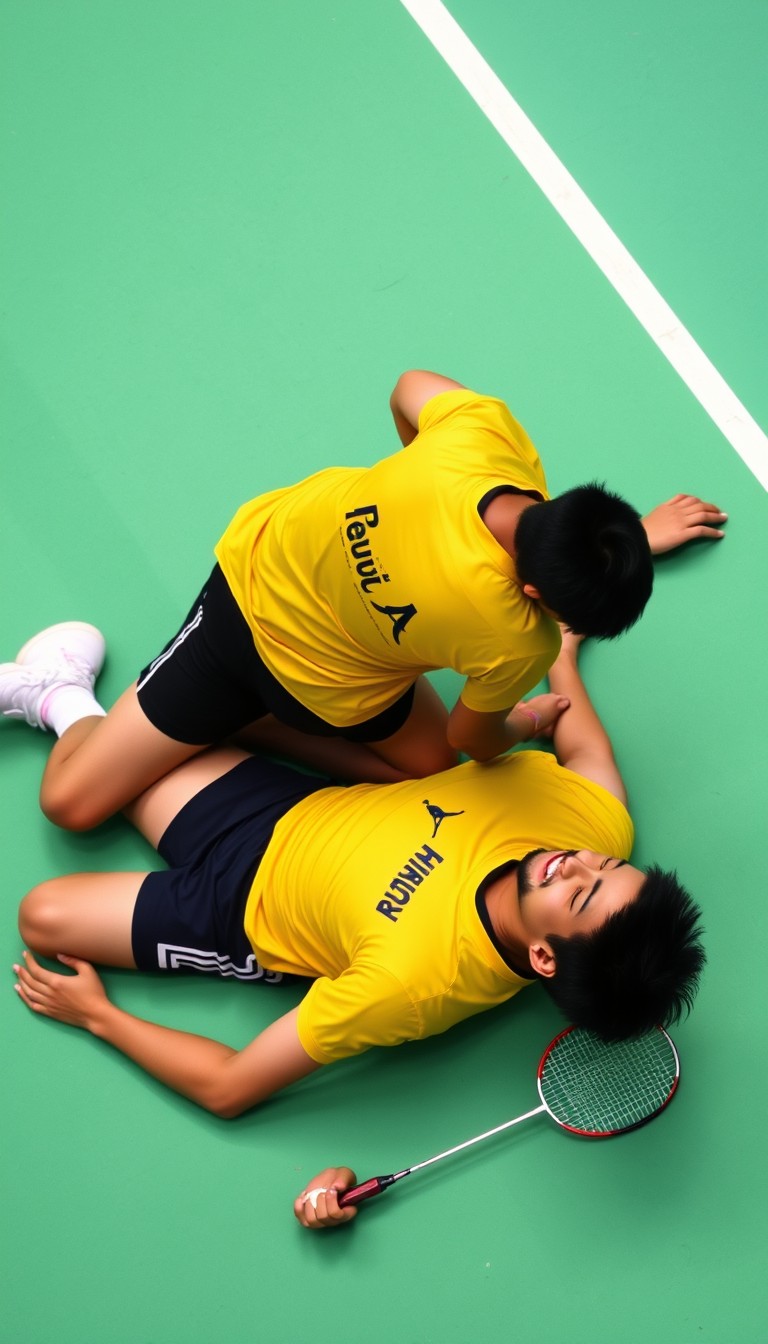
(100, 765)
(153, 812)
(421, 746)
(86, 915)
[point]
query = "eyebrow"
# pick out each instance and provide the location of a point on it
(596, 888)
(620, 864)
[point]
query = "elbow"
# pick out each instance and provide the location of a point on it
(229, 1111)
(222, 1102)
(225, 1108)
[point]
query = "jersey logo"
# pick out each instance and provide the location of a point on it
(356, 538)
(399, 616)
(438, 815)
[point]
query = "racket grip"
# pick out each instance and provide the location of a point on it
(367, 1190)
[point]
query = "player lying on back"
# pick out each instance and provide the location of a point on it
(408, 907)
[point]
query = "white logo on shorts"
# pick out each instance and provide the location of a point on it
(171, 957)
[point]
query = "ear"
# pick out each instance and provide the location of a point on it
(542, 959)
(531, 592)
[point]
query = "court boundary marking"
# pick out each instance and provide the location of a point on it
(597, 238)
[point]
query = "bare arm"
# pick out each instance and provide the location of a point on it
(411, 392)
(683, 518)
(581, 742)
(224, 1081)
(483, 736)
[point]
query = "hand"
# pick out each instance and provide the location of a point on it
(547, 709)
(683, 518)
(73, 999)
(322, 1210)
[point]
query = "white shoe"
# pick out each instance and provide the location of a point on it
(68, 654)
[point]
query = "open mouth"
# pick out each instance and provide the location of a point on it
(552, 866)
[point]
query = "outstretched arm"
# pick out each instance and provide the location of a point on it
(412, 391)
(683, 518)
(224, 1081)
(581, 742)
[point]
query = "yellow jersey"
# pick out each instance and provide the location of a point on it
(357, 580)
(373, 889)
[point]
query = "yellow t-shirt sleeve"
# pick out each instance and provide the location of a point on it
(447, 405)
(362, 1007)
(503, 686)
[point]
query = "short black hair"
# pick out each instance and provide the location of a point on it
(638, 970)
(587, 553)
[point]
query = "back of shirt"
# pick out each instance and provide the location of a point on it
(356, 581)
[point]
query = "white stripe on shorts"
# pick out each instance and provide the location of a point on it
(172, 957)
(179, 640)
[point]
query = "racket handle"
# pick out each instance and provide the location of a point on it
(367, 1190)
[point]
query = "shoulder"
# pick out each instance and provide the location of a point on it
(364, 1006)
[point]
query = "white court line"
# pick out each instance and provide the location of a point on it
(658, 319)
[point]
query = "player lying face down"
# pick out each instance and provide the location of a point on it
(331, 598)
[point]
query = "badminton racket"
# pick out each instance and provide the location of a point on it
(589, 1087)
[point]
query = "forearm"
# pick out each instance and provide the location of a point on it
(485, 736)
(222, 1080)
(580, 729)
(192, 1065)
(581, 742)
(482, 737)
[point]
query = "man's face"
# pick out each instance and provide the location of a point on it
(567, 892)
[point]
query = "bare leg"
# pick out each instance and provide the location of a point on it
(86, 915)
(153, 812)
(419, 748)
(100, 764)
(334, 756)
(90, 915)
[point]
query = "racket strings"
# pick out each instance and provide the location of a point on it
(598, 1088)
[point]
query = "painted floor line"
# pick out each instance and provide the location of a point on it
(598, 239)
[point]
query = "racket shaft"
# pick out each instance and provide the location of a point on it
(377, 1184)
(489, 1133)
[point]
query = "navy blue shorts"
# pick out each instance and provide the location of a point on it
(209, 681)
(190, 918)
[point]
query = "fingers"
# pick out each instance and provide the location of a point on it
(33, 985)
(318, 1205)
(691, 510)
(63, 997)
(686, 501)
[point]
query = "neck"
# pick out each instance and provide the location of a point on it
(502, 902)
(502, 516)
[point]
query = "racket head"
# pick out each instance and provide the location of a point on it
(599, 1089)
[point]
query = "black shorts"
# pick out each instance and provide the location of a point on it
(210, 682)
(190, 918)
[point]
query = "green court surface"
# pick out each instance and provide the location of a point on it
(226, 230)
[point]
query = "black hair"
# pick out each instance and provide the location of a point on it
(638, 970)
(587, 553)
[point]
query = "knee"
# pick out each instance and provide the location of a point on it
(72, 811)
(40, 919)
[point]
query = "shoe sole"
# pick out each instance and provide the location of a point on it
(27, 653)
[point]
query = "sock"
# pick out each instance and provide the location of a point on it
(65, 705)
